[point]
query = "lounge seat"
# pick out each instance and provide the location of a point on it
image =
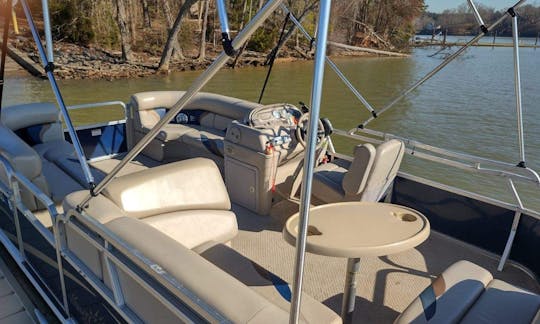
(201, 136)
(185, 200)
(25, 160)
(38, 127)
(366, 178)
(467, 293)
(231, 297)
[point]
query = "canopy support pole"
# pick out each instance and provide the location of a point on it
(517, 84)
(47, 28)
(477, 16)
(309, 158)
(49, 67)
(5, 38)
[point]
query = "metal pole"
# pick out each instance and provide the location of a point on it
(5, 38)
(48, 66)
(332, 65)
(47, 27)
(440, 66)
(477, 16)
(197, 85)
(309, 164)
(517, 83)
(224, 23)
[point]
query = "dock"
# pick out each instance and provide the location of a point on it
(12, 309)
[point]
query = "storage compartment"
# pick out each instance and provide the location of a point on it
(242, 184)
(249, 176)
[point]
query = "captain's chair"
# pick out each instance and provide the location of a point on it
(366, 178)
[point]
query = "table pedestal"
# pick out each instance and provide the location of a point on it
(349, 293)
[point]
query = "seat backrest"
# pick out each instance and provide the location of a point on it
(185, 185)
(356, 177)
(25, 160)
(148, 107)
(385, 167)
(34, 122)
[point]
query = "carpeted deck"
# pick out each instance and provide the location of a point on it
(386, 285)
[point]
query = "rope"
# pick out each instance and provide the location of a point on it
(273, 56)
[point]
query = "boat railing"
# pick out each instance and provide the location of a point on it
(101, 104)
(447, 157)
(118, 255)
(479, 165)
(11, 191)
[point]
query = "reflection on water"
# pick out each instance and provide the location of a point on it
(469, 107)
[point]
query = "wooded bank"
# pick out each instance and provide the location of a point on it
(140, 37)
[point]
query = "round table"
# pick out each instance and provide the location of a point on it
(359, 229)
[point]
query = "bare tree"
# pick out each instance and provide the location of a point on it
(202, 50)
(146, 14)
(177, 50)
(125, 32)
(173, 36)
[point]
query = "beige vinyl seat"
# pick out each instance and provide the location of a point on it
(38, 127)
(366, 178)
(185, 200)
(209, 116)
(467, 293)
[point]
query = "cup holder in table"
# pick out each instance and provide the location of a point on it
(405, 217)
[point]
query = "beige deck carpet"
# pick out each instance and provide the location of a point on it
(386, 285)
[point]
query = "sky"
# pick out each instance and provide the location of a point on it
(440, 5)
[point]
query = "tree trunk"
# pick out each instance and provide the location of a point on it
(202, 50)
(173, 36)
(177, 50)
(125, 33)
(146, 14)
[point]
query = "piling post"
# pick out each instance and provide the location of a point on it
(536, 41)
(494, 38)
(444, 37)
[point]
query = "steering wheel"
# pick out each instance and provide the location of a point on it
(301, 130)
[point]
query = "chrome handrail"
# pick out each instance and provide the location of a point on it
(82, 224)
(446, 157)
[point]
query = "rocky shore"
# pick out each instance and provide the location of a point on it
(78, 62)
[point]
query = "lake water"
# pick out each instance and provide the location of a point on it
(469, 107)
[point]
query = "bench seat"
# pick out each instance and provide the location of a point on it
(202, 136)
(467, 293)
(241, 291)
(185, 200)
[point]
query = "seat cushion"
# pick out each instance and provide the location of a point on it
(503, 303)
(327, 179)
(173, 132)
(450, 295)
(196, 228)
(226, 294)
(206, 139)
(60, 183)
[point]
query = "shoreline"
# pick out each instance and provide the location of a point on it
(74, 62)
